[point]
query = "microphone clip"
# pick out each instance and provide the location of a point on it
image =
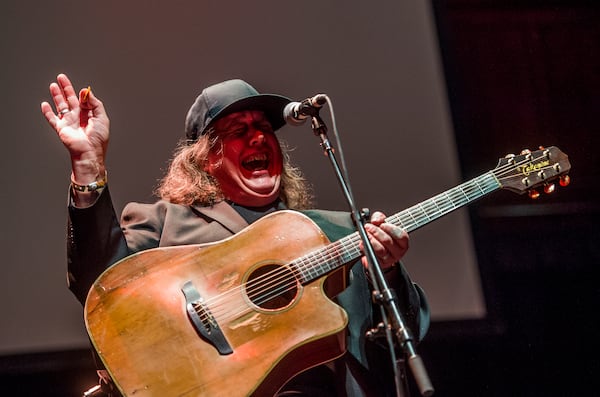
(296, 113)
(310, 107)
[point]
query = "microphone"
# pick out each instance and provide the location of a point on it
(296, 113)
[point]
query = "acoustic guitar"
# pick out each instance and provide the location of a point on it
(243, 315)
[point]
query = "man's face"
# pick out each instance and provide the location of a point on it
(247, 162)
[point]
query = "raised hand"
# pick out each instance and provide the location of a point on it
(82, 125)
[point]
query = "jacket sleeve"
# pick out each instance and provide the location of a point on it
(94, 242)
(411, 301)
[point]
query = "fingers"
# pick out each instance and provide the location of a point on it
(68, 91)
(89, 101)
(86, 109)
(84, 95)
(389, 242)
(68, 104)
(49, 114)
(91, 107)
(63, 95)
(65, 100)
(377, 218)
(399, 236)
(58, 97)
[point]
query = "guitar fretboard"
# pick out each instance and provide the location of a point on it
(320, 262)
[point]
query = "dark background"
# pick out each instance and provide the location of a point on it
(516, 73)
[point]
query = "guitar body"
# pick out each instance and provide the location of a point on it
(138, 317)
(242, 316)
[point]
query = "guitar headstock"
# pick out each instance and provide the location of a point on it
(528, 171)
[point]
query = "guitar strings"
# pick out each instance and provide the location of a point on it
(281, 273)
(277, 282)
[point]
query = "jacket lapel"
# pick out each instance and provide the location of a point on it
(224, 214)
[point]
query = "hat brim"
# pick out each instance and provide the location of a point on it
(272, 105)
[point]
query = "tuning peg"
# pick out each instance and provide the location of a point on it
(533, 194)
(556, 167)
(564, 180)
(541, 175)
(542, 148)
(549, 188)
(525, 151)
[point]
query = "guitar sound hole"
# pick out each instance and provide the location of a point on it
(272, 287)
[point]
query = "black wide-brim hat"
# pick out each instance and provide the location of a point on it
(228, 97)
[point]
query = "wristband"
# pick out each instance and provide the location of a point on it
(92, 187)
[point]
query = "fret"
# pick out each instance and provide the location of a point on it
(412, 217)
(320, 262)
(300, 266)
(429, 207)
(469, 191)
(424, 212)
(441, 203)
(477, 183)
(464, 194)
(435, 203)
(449, 199)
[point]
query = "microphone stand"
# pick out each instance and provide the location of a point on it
(382, 294)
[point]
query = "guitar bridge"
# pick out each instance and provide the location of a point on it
(203, 321)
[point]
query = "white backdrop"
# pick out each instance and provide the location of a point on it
(147, 60)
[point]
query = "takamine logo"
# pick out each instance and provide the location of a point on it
(532, 167)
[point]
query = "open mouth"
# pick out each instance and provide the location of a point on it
(256, 162)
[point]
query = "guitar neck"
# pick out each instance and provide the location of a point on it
(322, 261)
(429, 210)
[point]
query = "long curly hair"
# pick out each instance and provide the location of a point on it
(186, 182)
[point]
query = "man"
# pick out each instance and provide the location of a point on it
(229, 172)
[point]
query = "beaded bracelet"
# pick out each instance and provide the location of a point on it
(92, 187)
